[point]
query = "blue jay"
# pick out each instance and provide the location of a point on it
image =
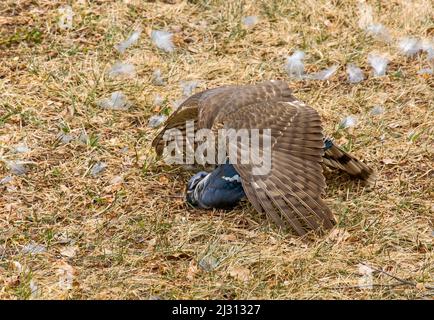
(221, 188)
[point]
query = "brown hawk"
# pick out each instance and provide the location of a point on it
(290, 194)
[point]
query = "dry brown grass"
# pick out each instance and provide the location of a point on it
(135, 239)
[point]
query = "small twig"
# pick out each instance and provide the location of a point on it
(406, 282)
(391, 275)
(392, 285)
(401, 282)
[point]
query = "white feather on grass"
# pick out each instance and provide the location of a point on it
(124, 45)
(294, 65)
(355, 74)
(378, 63)
(66, 15)
(163, 40)
(156, 120)
(122, 69)
(117, 101)
(409, 46)
(323, 74)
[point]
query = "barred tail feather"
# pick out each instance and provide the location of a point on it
(337, 158)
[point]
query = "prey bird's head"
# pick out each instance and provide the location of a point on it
(192, 185)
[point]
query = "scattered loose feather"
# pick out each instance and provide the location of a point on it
(294, 65)
(430, 57)
(379, 64)
(33, 249)
(69, 251)
(163, 40)
(366, 18)
(379, 31)
(34, 290)
(366, 23)
(97, 168)
(377, 110)
(157, 79)
(17, 167)
(124, 45)
(156, 120)
(428, 47)
(208, 263)
(21, 148)
(158, 100)
(188, 87)
(250, 21)
(6, 179)
(65, 138)
(348, 122)
(116, 180)
(66, 274)
(323, 74)
(355, 74)
(426, 71)
(117, 101)
(366, 278)
(65, 19)
(409, 46)
(83, 138)
(122, 69)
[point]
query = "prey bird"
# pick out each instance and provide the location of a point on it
(290, 193)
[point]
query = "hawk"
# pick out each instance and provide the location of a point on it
(290, 194)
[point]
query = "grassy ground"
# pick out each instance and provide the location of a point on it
(125, 233)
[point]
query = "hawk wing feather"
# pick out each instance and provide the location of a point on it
(291, 193)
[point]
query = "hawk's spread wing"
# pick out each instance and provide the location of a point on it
(204, 106)
(291, 193)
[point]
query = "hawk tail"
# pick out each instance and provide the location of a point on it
(337, 158)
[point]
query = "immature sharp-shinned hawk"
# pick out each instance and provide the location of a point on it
(290, 194)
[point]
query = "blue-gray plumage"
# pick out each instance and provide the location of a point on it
(328, 143)
(221, 188)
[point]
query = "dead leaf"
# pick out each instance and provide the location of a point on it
(12, 282)
(239, 273)
(192, 270)
(395, 125)
(66, 275)
(17, 266)
(64, 188)
(163, 180)
(388, 161)
(339, 235)
(420, 286)
(151, 243)
(13, 20)
(69, 251)
(228, 237)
